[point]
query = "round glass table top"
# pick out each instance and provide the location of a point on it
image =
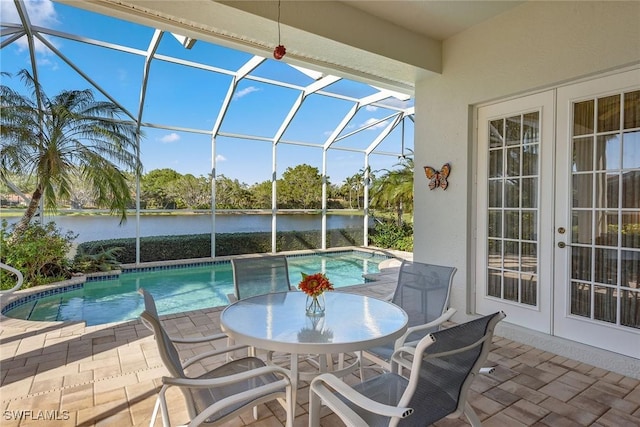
(279, 322)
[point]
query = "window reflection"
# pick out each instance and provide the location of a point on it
(605, 232)
(514, 157)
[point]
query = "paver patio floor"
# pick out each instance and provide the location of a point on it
(110, 375)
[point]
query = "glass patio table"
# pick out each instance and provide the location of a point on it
(278, 322)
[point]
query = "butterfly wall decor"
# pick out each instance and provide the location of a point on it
(438, 178)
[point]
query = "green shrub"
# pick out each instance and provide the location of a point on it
(165, 248)
(39, 253)
(103, 260)
(390, 235)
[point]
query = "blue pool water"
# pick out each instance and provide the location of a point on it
(179, 289)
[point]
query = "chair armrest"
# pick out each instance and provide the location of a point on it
(341, 409)
(252, 394)
(212, 353)
(226, 380)
(234, 399)
(399, 357)
(440, 320)
(197, 340)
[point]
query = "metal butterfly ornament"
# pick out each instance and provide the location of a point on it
(438, 178)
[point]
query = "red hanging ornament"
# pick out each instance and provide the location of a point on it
(279, 51)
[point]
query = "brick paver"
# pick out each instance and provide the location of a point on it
(110, 375)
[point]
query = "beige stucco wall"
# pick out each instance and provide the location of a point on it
(536, 45)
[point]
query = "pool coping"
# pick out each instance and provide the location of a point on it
(78, 281)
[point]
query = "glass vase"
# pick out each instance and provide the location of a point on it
(315, 305)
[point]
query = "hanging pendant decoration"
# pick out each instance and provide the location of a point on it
(280, 51)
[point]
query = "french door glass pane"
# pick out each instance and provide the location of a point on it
(581, 226)
(608, 152)
(582, 154)
(609, 113)
(513, 201)
(580, 299)
(583, 113)
(632, 110)
(631, 159)
(605, 202)
(583, 190)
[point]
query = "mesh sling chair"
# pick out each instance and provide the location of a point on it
(423, 292)
(443, 365)
(222, 393)
(259, 275)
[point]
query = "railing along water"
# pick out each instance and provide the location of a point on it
(16, 273)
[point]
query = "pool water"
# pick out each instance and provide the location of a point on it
(180, 289)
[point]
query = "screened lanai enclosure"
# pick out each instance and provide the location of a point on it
(229, 141)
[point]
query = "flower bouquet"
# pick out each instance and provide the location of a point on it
(314, 285)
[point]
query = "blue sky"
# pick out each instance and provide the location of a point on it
(185, 97)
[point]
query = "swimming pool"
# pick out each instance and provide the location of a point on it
(177, 289)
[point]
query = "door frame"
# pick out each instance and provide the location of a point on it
(537, 317)
(599, 334)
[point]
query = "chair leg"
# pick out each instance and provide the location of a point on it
(154, 414)
(360, 362)
(471, 415)
(290, 405)
(255, 412)
(163, 407)
(314, 409)
(230, 342)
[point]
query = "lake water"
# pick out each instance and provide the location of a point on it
(103, 227)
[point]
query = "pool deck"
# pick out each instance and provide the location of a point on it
(110, 375)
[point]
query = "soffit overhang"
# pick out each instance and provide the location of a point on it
(328, 36)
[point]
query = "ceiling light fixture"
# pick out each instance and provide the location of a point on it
(280, 50)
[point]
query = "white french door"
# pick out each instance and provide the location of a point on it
(514, 223)
(597, 271)
(558, 228)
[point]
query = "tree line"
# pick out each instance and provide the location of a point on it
(73, 150)
(300, 187)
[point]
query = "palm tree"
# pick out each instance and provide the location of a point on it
(50, 139)
(395, 189)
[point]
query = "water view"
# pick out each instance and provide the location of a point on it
(103, 227)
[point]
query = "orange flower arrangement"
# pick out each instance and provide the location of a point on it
(314, 284)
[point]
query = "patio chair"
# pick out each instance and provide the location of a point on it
(443, 365)
(423, 292)
(262, 275)
(222, 393)
(259, 275)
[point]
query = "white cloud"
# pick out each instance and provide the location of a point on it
(395, 102)
(347, 128)
(172, 137)
(41, 13)
(371, 108)
(220, 158)
(244, 92)
(375, 127)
